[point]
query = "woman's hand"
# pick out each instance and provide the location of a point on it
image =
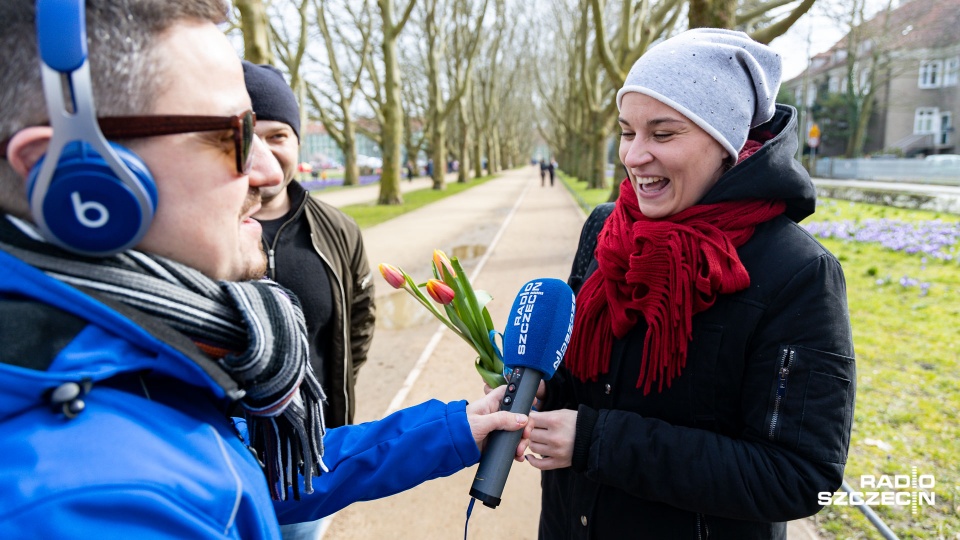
(552, 438)
(484, 416)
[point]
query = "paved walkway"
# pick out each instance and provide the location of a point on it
(505, 232)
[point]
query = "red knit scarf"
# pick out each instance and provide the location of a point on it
(664, 270)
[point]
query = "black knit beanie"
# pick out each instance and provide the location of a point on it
(271, 96)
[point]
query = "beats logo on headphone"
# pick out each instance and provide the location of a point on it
(87, 195)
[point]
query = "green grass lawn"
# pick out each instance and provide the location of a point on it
(368, 215)
(905, 313)
(586, 198)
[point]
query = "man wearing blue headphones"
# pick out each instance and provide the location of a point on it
(132, 315)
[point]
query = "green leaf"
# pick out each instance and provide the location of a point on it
(465, 332)
(462, 295)
(483, 298)
(488, 321)
(480, 328)
(492, 379)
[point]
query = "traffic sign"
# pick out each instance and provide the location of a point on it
(813, 136)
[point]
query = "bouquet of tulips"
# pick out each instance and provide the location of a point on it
(464, 310)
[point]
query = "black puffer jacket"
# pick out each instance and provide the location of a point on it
(759, 420)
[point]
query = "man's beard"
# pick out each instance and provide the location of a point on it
(258, 269)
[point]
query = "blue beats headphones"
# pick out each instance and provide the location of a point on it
(87, 195)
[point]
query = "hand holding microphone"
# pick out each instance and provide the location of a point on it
(534, 342)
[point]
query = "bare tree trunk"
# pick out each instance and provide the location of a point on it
(256, 31)
(463, 174)
(351, 171)
(597, 174)
(478, 169)
(392, 109)
(494, 157)
(435, 99)
(438, 133)
(712, 13)
(392, 129)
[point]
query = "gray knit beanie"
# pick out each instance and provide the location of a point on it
(271, 96)
(721, 80)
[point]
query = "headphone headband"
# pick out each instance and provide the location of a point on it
(62, 34)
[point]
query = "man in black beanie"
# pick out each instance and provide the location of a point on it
(313, 249)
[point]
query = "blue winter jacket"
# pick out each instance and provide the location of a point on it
(153, 454)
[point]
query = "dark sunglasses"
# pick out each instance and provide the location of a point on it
(132, 127)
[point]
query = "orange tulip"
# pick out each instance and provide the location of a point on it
(442, 263)
(393, 275)
(440, 291)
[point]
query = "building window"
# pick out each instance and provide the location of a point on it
(931, 74)
(946, 126)
(952, 71)
(833, 85)
(925, 120)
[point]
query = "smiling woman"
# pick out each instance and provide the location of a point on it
(708, 387)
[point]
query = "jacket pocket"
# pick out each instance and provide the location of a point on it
(811, 408)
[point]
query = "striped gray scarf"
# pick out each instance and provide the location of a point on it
(255, 330)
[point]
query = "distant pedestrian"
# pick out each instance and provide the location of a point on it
(552, 169)
(543, 172)
(410, 167)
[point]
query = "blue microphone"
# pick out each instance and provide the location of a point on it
(534, 342)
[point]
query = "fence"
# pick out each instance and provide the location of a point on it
(908, 170)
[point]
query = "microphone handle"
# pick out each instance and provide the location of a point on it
(502, 445)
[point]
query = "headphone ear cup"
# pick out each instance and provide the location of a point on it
(87, 208)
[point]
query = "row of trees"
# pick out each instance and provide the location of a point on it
(579, 102)
(446, 77)
(477, 79)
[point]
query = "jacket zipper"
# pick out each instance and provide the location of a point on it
(702, 531)
(785, 362)
(344, 326)
(271, 247)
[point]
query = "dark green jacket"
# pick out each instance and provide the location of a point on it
(336, 239)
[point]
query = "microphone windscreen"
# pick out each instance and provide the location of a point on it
(539, 326)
